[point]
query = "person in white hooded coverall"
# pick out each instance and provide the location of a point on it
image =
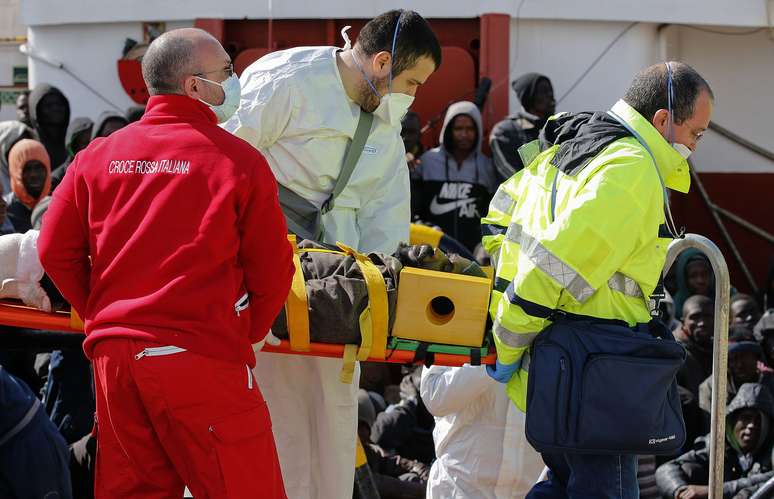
(479, 437)
(300, 108)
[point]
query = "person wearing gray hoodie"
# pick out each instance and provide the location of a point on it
(454, 182)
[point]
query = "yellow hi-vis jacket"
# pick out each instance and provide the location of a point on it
(602, 252)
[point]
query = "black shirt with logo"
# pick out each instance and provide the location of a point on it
(452, 197)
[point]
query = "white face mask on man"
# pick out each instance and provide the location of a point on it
(232, 91)
(682, 149)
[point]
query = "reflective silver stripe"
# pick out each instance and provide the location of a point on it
(625, 285)
(22, 423)
(557, 269)
(502, 202)
(513, 234)
(515, 340)
(495, 258)
(526, 361)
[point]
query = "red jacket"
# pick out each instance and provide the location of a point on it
(180, 219)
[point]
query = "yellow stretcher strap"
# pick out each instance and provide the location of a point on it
(296, 307)
(348, 369)
(366, 335)
(377, 308)
(422, 234)
(360, 455)
(75, 320)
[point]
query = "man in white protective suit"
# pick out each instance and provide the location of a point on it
(480, 447)
(300, 107)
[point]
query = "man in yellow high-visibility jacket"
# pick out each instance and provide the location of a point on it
(582, 229)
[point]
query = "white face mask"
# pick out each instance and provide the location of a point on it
(393, 107)
(682, 150)
(232, 91)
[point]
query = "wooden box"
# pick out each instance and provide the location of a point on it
(438, 307)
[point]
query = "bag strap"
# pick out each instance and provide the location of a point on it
(354, 150)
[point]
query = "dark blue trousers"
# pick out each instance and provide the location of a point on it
(584, 476)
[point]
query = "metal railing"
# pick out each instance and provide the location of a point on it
(719, 352)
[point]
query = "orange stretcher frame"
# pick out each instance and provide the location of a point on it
(13, 313)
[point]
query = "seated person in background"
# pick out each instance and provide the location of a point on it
(107, 123)
(395, 476)
(747, 457)
(135, 113)
(78, 137)
(694, 276)
(11, 132)
(30, 170)
(744, 353)
(537, 104)
(744, 311)
(696, 336)
(406, 428)
(474, 417)
(411, 133)
(453, 184)
(764, 334)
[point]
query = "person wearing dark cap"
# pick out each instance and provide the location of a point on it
(536, 94)
(743, 356)
(78, 137)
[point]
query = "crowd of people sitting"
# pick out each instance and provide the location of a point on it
(423, 429)
(35, 152)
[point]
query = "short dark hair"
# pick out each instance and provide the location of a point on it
(415, 39)
(648, 91)
(166, 63)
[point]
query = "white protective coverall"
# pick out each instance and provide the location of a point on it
(294, 109)
(479, 437)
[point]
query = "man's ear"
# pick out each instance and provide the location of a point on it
(381, 63)
(660, 120)
(191, 87)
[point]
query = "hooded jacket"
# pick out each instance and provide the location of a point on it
(450, 195)
(741, 472)
(681, 274)
(52, 136)
(103, 118)
(76, 127)
(170, 231)
(20, 201)
(11, 132)
(506, 138)
(579, 229)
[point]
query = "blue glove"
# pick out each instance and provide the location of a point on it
(502, 373)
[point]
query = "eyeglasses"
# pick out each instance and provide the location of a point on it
(229, 70)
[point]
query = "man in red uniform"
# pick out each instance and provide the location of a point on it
(189, 266)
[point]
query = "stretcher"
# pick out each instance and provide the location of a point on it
(449, 336)
(13, 313)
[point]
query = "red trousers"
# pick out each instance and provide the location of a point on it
(168, 418)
